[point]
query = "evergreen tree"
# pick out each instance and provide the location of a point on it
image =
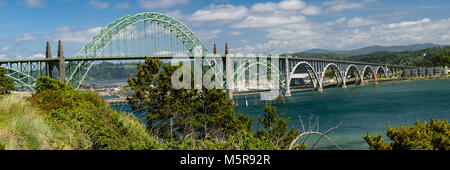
(179, 113)
(433, 135)
(276, 128)
(6, 85)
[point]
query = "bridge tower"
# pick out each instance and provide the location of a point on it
(229, 71)
(50, 65)
(215, 48)
(62, 63)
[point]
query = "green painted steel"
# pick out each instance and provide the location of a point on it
(101, 40)
(21, 79)
(28, 70)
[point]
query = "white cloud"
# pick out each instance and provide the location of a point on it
(236, 33)
(63, 29)
(68, 34)
(292, 5)
(220, 12)
(360, 21)
(285, 5)
(122, 5)
(39, 55)
(264, 7)
(2, 55)
(34, 3)
(5, 49)
(340, 5)
(298, 37)
(256, 21)
(176, 14)
(152, 4)
(24, 38)
(311, 10)
(98, 4)
(408, 23)
(210, 34)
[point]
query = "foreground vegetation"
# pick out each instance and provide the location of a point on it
(60, 117)
(433, 135)
(6, 85)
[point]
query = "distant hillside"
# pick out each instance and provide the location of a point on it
(435, 57)
(106, 71)
(370, 49)
(332, 56)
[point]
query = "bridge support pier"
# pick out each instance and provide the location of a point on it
(319, 89)
(229, 73)
(62, 63)
(288, 78)
(361, 80)
(344, 85)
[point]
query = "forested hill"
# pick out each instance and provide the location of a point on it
(430, 57)
(111, 71)
(370, 49)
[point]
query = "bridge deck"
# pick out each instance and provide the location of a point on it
(111, 58)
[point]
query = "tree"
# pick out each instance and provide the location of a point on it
(181, 112)
(276, 128)
(6, 85)
(434, 135)
(203, 118)
(46, 83)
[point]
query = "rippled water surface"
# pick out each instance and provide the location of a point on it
(363, 109)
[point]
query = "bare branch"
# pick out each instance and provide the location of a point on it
(311, 132)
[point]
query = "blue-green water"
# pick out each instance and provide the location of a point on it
(363, 109)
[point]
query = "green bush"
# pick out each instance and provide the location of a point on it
(6, 84)
(434, 135)
(90, 117)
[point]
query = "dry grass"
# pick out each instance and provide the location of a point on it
(23, 127)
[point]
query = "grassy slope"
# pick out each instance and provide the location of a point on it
(26, 127)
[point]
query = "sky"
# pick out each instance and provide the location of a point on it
(249, 26)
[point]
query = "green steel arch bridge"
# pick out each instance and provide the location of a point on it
(134, 37)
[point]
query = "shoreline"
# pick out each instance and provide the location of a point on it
(398, 79)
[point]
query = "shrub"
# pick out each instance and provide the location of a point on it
(90, 117)
(434, 135)
(6, 84)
